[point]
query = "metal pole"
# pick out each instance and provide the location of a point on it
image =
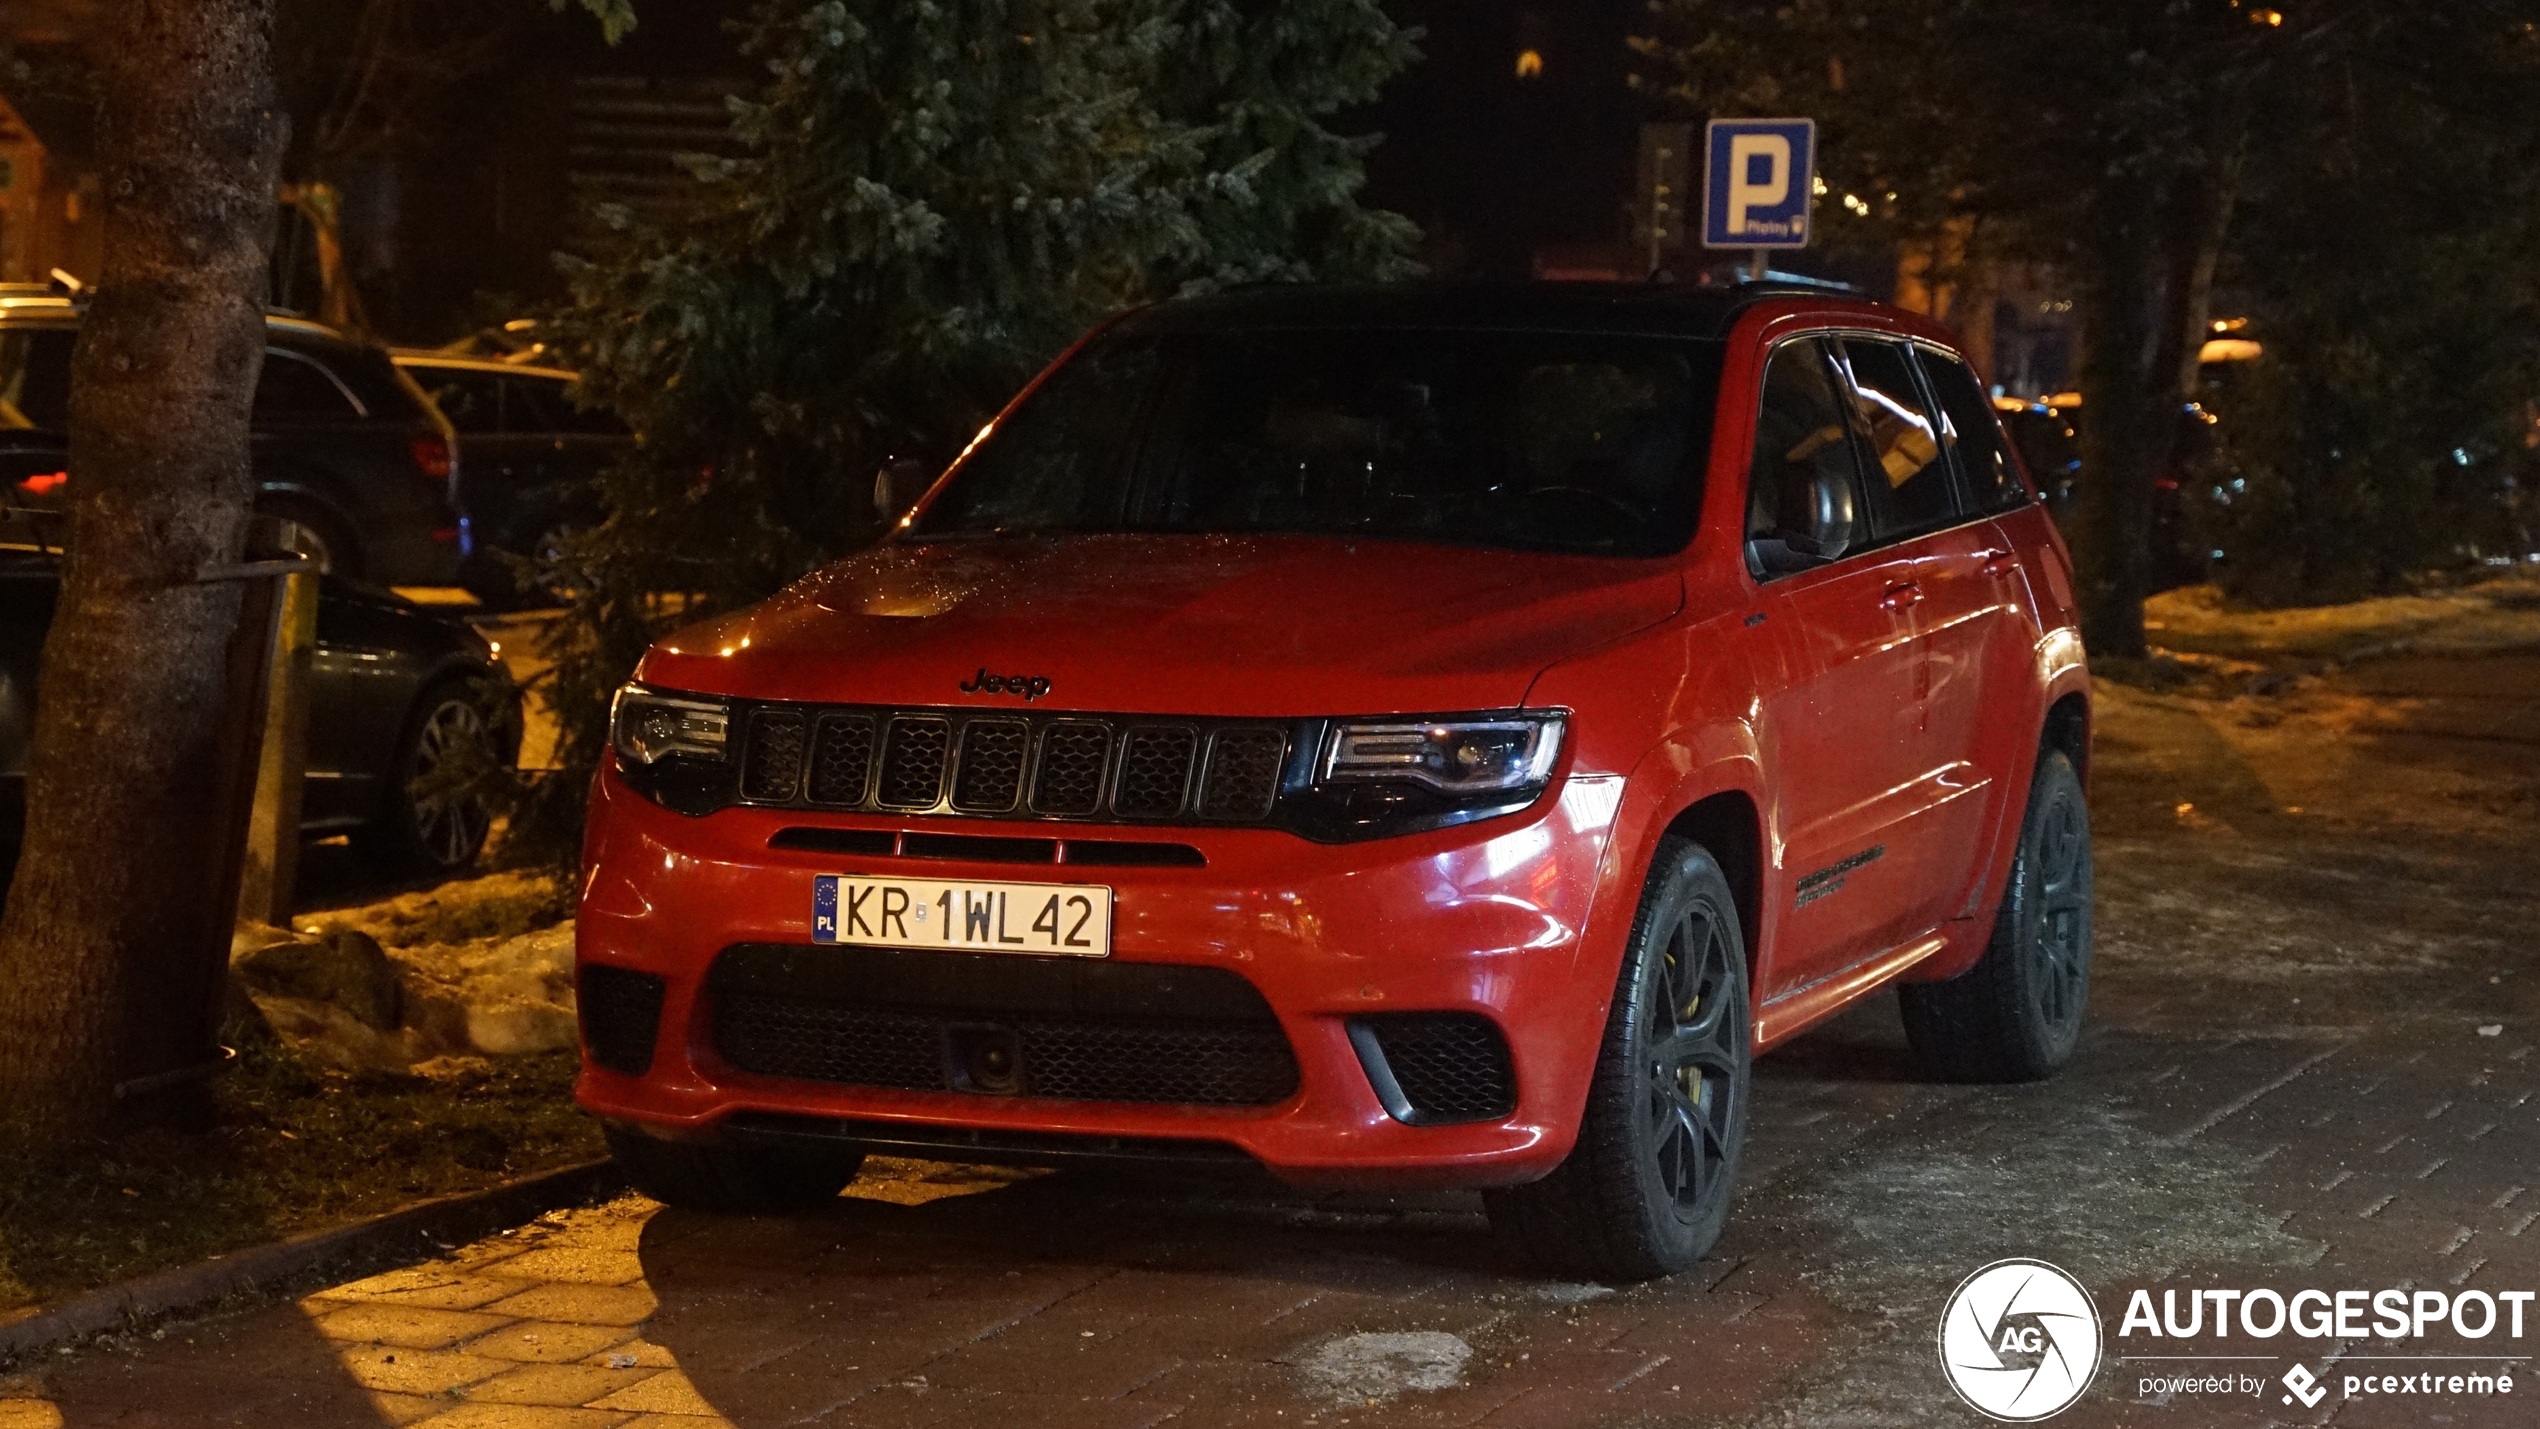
(270, 873)
(1762, 268)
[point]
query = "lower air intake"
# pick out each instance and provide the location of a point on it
(1432, 1068)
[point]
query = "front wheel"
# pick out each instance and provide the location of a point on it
(1646, 1190)
(2016, 1015)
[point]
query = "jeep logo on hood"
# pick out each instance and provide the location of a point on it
(1030, 687)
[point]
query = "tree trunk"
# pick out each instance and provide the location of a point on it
(2155, 244)
(114, 892)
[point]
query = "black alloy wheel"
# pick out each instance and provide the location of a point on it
(1646, 1190)
(437, 817)
(2016, 1016)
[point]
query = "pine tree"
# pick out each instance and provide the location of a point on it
(933, 199)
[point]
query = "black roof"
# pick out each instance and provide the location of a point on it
(1653, 309)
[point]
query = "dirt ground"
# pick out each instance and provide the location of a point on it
(2310, 1065)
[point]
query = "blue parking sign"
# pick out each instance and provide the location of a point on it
(1762, 174)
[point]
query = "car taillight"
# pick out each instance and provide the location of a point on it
(44, 484)
(432, 456)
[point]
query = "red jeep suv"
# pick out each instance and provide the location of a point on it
(1395, 736)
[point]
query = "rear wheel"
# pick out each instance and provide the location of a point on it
(1646, 1190)
(728, 1180)
(324, 536)
(2016, 1015)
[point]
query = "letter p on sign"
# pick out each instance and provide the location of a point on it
(1762, 174)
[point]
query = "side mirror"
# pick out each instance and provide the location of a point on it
(897, 486)
(1833, 519)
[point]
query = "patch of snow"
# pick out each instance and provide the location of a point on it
(1381, 1365)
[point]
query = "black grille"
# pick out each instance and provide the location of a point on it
(1155, 771)
(1243, 773)
(1090, 1031)
(1014, 763)
(990, 774)
(1444, 1066)
(842, 759)
(620, 1011)
(913, 755)
(772, 765)
(1073, 755)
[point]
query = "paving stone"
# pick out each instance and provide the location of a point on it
(405, 1371)
(412, 1327)
(548, 1342)
(579, 1304)
(563, 1386)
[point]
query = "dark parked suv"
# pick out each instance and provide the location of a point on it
(530, 468)
(344, 443)
(397, 694)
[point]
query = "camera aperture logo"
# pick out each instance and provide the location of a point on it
(2019, 1340)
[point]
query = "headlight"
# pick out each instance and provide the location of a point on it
(673, 749)
(1381, 777)
(1479, 756)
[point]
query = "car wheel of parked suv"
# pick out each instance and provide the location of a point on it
(729, 1180)
(435, 822)
(1646, 1190)
(2016, 1015)
(323, 534)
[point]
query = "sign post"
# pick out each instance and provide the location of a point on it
(1760, 180)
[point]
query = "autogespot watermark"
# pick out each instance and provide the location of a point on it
(2443, 1346)
(2020, 1340)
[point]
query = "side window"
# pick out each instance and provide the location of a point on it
(1803, 489)
(35, 377)
(530, 404)
(471, 400)
(294, 389)
(1971, 433)
(1904, 441)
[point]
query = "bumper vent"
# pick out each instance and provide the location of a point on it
(996, 1026)
(1432, 1068)
(1005, 765)
(620, 1011)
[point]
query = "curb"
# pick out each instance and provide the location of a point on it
(399, 1236)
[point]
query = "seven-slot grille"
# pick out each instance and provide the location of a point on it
(999, 764)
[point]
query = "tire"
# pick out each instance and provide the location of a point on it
(433, 834)
(2016, 1015)
(325, 535)
(728, 1180)
(1646, 1190)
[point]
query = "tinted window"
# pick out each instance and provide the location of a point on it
(1803, 481)
(534, 404)
(295, 389)
(35, 377)
(471, 400)
(1971, 433)
(1904, 441)
(1540, 441)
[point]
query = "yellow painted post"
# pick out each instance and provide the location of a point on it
(272, 866)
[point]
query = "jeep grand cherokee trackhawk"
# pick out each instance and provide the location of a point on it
(1403, 737)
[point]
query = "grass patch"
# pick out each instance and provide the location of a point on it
(292, 1149)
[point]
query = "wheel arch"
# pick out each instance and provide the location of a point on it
(1731, 828)
(2067, 732)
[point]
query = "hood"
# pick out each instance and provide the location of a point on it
(1199, 625)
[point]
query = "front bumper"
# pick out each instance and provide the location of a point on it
(1491, 918)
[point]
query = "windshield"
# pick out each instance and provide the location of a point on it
(1535, 441)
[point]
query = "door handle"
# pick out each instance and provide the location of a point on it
(1999, 563)
(1901, 595)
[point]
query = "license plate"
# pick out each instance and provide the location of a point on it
(1050, 919)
